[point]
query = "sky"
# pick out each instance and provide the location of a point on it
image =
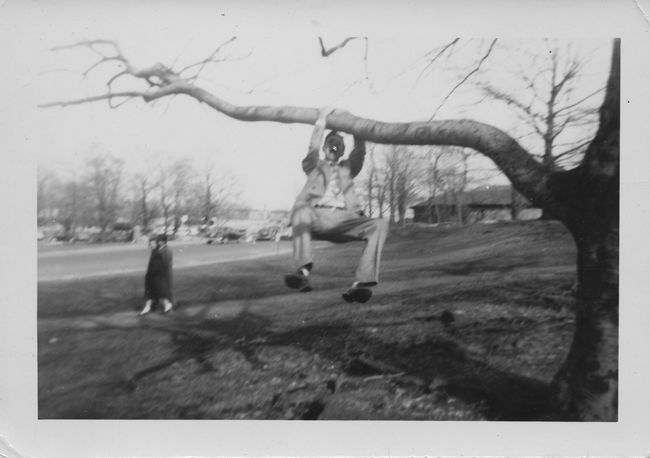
(276, 63)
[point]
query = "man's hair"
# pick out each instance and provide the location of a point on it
(161, 238)
(334, 142)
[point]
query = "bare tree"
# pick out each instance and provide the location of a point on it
(165, 192)
(104, 178)
(369, 181)
(548, 101)
(46, 191)
(585, 199)
(145, 207)
(406, 172)
(433, 178)
(181, 174)
(454, 179)
(380, 195)
(213, 193)
(549, 104)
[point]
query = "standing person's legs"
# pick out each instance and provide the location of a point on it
(147, 307)
(166, 304)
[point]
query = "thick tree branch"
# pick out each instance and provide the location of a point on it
(510, 157)
(526, 173)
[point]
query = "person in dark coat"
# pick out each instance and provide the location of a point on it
(158, 279)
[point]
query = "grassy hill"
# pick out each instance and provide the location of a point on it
(467, 324)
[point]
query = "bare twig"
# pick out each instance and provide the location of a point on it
(101, 61)
(584, 99)
(211, 58)
(530, 118)
(87, 43)
(327, 52)
(365, 64)
(95, 98)
(435, 58)
(461, 82)
(558, 130)
(573, 150)
(441, 50)
(119, 104)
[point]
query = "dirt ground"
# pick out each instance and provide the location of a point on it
(467, 324)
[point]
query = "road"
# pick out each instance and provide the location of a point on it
(73, 262)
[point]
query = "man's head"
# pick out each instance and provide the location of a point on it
(161, 239)
(333, 146)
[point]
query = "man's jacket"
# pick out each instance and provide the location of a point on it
(319, 173)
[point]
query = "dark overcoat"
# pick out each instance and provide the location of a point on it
(158, 279)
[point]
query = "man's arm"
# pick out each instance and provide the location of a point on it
(310, 161)
(357, 156)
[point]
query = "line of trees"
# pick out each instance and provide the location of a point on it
(396, 177)
(102, 194)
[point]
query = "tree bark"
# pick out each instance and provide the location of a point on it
(588, 382)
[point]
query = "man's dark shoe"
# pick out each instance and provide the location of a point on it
(359, 292)
(299, 281)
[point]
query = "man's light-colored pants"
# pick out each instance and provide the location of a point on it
(339, 226)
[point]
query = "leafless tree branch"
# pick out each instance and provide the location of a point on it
(210, 59)
(582, 100)
(435, 58)
(88, 43)
(65, 103)
(327, 52)
(365, 63)
(559, 129)
(573, 150)
(461, 82)
(517, 163)
(531, 118)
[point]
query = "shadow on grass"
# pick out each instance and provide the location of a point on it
(440, 365)
(484, 266)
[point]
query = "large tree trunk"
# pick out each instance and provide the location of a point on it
(588, 381)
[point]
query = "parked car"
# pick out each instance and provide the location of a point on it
(267, 233)
(225, 235)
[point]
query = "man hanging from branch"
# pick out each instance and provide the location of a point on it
(327, 208)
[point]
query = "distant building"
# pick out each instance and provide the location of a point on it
(485, 203)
